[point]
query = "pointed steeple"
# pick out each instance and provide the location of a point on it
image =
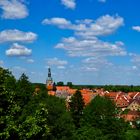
(49, 72)
(49, 81)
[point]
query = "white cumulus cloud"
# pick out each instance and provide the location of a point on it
(85, 40)
(71, 4)
(95, 47)
(60, 22)
(88, 28)
(13, 9)
(18, 50)
(104, 25)
(136, 28)
(17, 36)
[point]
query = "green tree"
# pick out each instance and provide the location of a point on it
(7, 85)
(8, 106)
(60, 83)
(69, 84)
(101, 113)
(32, 123)
(88, 133)
(58, 119)
(42, 87)
(54, 86)
(76, 107)
(24, 116)
(132, 134)
(14, 96)
(45, 117)
(24, 90)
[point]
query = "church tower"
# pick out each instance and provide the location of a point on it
(49, 81)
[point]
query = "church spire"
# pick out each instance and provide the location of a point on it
(49, 72)
(49, 82)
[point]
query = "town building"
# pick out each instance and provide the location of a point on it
(134, 105)
(49, 81)
(131, 116)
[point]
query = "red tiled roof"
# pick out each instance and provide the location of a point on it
(134, 94)
(119, 98)
(112, 95)
(62, 87)
(131, 115)
(51, 93)
(87, 98)
(72, 91)
(83, 91)
(135, 100)
(133, 112)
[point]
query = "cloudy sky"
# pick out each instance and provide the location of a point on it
(83, 41)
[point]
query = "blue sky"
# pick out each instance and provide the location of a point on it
(83, 41)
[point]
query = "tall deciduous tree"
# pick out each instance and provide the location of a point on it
(58, 119)
(32, 123)
(101, 113)
(24, 90)
(8, 106)
(76, 107)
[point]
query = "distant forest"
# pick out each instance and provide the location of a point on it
(115, 88)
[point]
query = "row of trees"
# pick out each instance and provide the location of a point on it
(61, 83)
(115, 88)
(27, 116)
(122, 88)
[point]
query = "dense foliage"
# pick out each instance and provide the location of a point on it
(60, 83)
(122, 88)
(76, 107)
(26, 115)
(101, 114)
(115, 88)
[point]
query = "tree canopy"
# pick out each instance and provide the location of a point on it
(76, 107)
(101, 114)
